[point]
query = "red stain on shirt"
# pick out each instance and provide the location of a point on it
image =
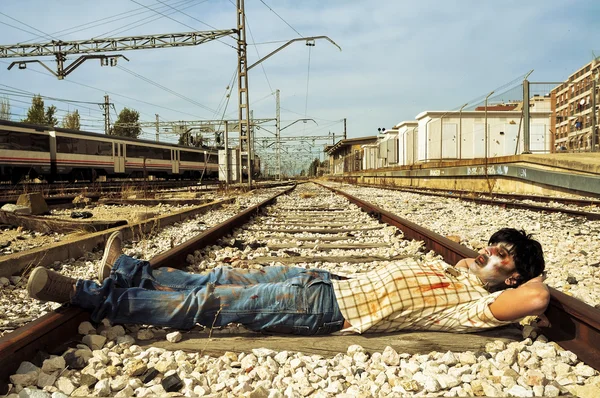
(441, 285)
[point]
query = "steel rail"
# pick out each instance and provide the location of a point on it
(574, 325)
(461, 193)
(493, 202)
(54, 331)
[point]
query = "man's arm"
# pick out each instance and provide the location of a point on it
(531, 298)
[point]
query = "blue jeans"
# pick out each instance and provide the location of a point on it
(271, 299)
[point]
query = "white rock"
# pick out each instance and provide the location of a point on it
(390, 356)
(45, 380)
(551, 391)
(174, 337)
(65, 385)
(467, 358)
(24, 379)
(126, 340)
(94, 341)
(86, 328)
(125, 393)
(54, 364)
(447, 381)
(584, 370)
(263, 352)
(353, 349)
(519, 391)
(119, 383)
(26, 367)
(145, 334)
(33, 393)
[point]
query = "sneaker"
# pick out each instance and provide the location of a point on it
(47, 285)
(112, 251)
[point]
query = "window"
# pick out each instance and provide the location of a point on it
(99, 148)
(4, 139)
(83, 147)
(139, 151)
(23, 141)
(39, 143)
(188, 156)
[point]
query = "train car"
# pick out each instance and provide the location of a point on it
(24, 150)
(62, 154)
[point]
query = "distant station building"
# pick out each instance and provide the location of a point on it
(572, 106)
(347, 155)
(443, 135)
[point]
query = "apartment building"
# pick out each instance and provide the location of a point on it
(572, 106)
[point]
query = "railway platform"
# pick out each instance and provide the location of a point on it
(542, 174)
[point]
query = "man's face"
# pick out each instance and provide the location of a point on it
(495, 265)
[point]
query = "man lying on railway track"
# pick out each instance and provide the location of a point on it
(502, 285)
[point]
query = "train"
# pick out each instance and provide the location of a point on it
(56, 154)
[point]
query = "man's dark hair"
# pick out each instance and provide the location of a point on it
(527, 252)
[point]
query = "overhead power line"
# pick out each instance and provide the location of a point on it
(175, 93)
(182, 23)
(280, 17)
(142, 21)
(29, 26)
(103, 21)
(114, 93)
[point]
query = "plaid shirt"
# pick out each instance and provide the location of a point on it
(417, 295)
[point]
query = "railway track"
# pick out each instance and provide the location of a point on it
(60, 193)
(327, 234)
(511, 201)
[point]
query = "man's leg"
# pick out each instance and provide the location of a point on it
(130, 272)
(304, 304)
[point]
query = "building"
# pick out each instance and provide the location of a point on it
(462, 135)
(346, 155)
(572, 106)
(407, 140)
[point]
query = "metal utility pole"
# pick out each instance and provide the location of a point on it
(278, 133)
(345, 135)
(243, 99)
(526, 121)
(594, 113)
(106, 108)
(460, 130)
(486, 130)
(157, 124)
(226, 143)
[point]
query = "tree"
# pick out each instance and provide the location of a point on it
(184, 139)
(71, 120)
(313, 169)
(37, 115)
(4, 108)
(127, 124)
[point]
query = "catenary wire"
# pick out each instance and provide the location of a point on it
(280, 17)
(182, 23)
(104, 21)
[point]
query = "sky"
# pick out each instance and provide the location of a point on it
(398, 59)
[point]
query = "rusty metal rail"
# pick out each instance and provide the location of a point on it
(574, 325)
(56, 330)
